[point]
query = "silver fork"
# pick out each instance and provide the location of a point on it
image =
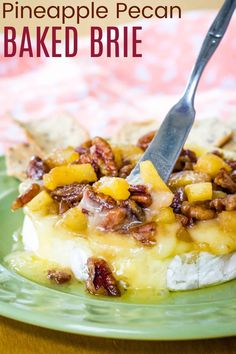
(168, 143)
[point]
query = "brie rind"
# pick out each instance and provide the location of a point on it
(197, 270)
(187, 271)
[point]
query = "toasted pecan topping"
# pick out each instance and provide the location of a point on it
(182, 178)
(101, 281)
(63, 207)
(103, 155)
(185, 161)
(126, 168)
(218, 153)
(37, 168)
(143, 233)
(232, 164)
(68, 196)
(87, 158)
(145, 140)
(139, 193)
(84, 148)
(184, 235)
(179, 198)
(26, 197)
(184, 220)
(225, 180)
(59, 276)
(99, 154)
(233, 175)
(197, 212)
(114, 219)
(135, 212)
(227, 203)
(118, 216)
(100, 201)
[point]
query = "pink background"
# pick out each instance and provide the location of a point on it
(104, 93)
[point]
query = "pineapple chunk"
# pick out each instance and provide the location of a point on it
(165, 216)
(183, 178)
(199, 192)
(218, 195)
(131, 152)
(115, 187)
(161, 200)
(62, 157)
(42, 203)
(197, 149)
(162, 195)
(64, 175)
(183, 235)
(227, 220)
(74, 220)
(150, 176)
(211, 164)
(117, 155)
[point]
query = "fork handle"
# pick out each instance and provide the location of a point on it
(211, 42)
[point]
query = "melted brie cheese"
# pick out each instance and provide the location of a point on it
(139, 267)
(136, 265)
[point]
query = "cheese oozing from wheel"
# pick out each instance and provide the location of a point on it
(159, 267)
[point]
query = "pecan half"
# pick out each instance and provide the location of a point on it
(37, 168)
(97, 202)
(225, 180)
(233, 175)
(184, 220)
(87, 158)
(125, 170)
(103, 156)
(139, 193)
(26, 197)
(228, 203)
(101, 281)
(143, 233)
(197, 212)
(145, 140)
(135, 212)
(99, 154)
(185, 161)
(68, 196)
(114, 219)
(59, 276)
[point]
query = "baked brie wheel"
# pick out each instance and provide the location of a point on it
(83, 216)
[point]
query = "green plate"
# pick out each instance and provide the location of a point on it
(201, 313)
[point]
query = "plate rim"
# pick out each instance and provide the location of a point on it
(10, 309)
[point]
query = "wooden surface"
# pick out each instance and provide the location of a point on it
(20, 338)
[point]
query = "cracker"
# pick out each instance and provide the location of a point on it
(210, 132)
(129, 133)
(17, 159)
(207, 132)
(231, 145)
(227, 154)
(54, 132)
